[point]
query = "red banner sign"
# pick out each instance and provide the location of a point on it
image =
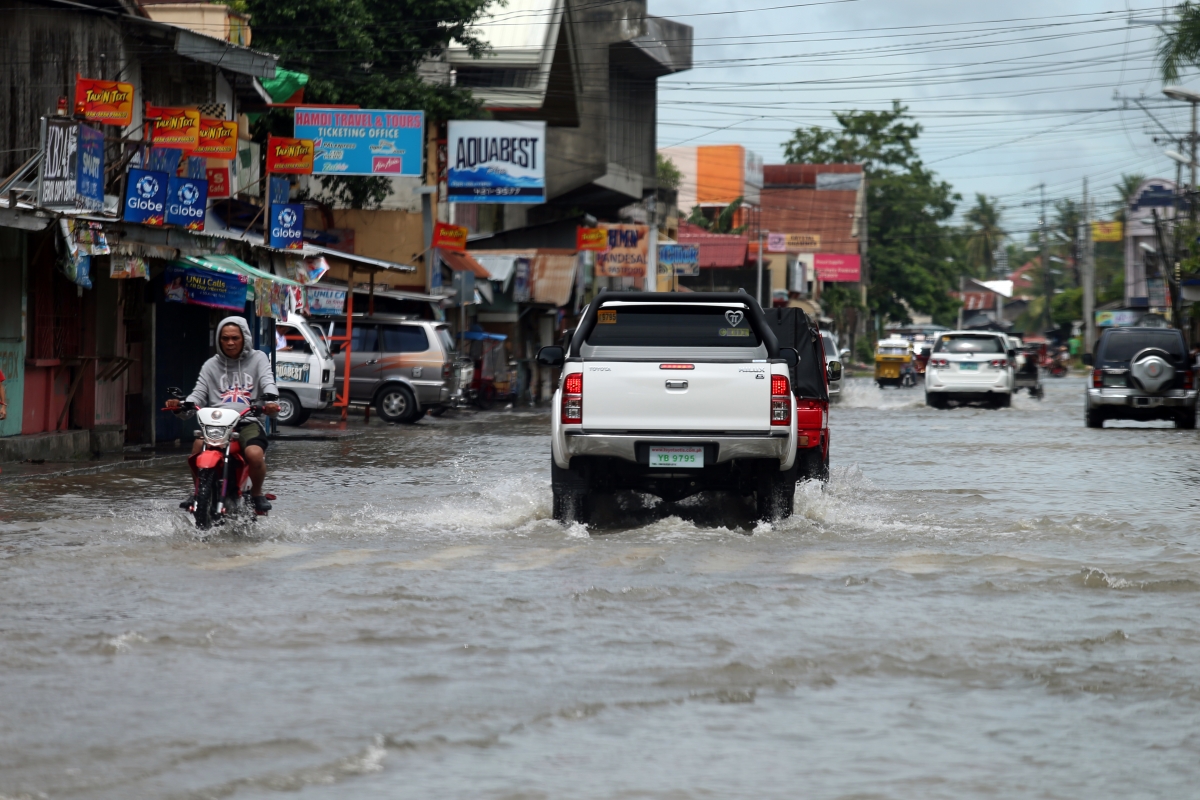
(838, 267)
(290, 156)
(218, 181)
(178, 128)
(595, 239)
(218, 139)
(106, 102)
(450, 237)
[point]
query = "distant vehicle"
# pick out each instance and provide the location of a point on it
(1141, 374)
(304, 371)
(1026, 374)
(672, 394)
(402, 366)
(893, 356)
(833, 355)
(970, 366)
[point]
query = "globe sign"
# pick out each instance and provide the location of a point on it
(188, 194)
(287, 218)
(147, 187)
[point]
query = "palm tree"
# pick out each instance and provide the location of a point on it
(1179, 45)
(722, 223)
(1128, 184)
(985, 234)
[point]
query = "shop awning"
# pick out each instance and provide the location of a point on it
(553, 278)
(464, 262)
(232, 265)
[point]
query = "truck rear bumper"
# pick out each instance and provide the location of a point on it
(1173, 398)
(728, 447)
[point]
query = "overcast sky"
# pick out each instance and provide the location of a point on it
(1010, 94)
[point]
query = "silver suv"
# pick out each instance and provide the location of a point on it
(402, 366)
(1141, 374)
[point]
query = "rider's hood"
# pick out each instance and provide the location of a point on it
(247, 339)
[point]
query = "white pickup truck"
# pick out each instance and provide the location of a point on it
(672, 394)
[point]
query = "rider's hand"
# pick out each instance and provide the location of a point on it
(172, 403)
(271, 409)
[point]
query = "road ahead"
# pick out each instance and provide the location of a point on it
(981, 604)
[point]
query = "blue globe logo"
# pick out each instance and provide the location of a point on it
(287, 218)
(147, 187)
(188, 194)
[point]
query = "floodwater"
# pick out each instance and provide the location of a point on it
(982, 604)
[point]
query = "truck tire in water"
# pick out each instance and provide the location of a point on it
(776, 494)
(396, 403)
(571, 495)
(810, 465)
(206, 499)
(290, 410)
(1093, 419)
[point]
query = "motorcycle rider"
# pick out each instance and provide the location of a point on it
(238, 375)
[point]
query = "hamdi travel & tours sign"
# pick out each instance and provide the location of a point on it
(363, 141)
(496, 162)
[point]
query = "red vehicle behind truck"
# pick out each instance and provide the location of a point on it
(810, 385)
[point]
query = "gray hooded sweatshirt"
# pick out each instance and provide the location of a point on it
(234, 381)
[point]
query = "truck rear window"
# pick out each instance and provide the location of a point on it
(672, 326)
(1122, 346)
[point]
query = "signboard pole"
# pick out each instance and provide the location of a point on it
(1089, 275)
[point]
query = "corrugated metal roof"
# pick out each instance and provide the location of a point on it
(716, 249)
(553, 278)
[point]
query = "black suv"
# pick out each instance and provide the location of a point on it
(1142, 374)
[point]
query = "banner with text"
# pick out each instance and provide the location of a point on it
(449, 237)
(496, 162)
(105, 102)
(363, 141)
(627, 254)
(289, 156)
(838, 267)
(202, 287)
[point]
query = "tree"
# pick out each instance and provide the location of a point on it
(1125, 188)
(722, 222)
(907, 209)
(1179, 43)
(669, 176)
(985, 235)
(366, 52)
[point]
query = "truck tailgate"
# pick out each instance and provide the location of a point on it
(631, 395)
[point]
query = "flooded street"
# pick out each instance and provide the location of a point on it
(981, 604)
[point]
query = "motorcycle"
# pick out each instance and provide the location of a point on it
(220, 475)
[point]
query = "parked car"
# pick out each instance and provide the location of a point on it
(304, 371)
(672, 394)
(402, 366)
(970, 366)
(813, 378)
(1141, 374)
(833, 355)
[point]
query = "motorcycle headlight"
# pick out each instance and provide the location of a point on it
(215, 433)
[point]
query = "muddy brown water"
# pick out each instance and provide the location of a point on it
(981, 604)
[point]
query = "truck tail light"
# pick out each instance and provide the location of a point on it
(1189, 379)
(1097, 379)
(572, 399)
(781, 401)
(447, 371)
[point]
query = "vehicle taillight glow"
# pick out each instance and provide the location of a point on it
(1097, 379)
(999, 363)
(676, 366)
(781, 401)
(939, 363)
(1189, 380)
(447, 371)
(572, 399)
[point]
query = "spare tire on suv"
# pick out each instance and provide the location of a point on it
(1141, 374)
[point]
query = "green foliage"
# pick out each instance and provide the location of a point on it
(1067, 306)
(864, 351)
(366, 52)
(1179, 43)
(984, 236)
(669, 176)
(907, 209)
(1125, 188)
(722, 223)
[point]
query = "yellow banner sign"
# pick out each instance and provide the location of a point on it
(1107, 231)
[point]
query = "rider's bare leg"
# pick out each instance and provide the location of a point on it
(256, 459)
(197, 446)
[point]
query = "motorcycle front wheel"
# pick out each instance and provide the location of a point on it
(206, 499)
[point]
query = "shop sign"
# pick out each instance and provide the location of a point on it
(105, 102)
(217, 138)
(1117, 319)
(202, 287)
(290, 156)
(178, 128)
(187, 201)
(450, 237)
(57, 173)
(146, 197)
(496, 162)
(838, 267)
(287, 226)
(627, 253)
(89, 172)
(326, 302)
(1107, 231)
(591, 239)
(363, 141)
(679, 259)
(121, 266)
(791, 242)
(218, 181)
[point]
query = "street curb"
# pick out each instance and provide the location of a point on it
(92, 470)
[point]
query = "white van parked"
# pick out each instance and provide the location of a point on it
(304, 371)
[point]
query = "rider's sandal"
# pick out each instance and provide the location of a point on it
(261, 504)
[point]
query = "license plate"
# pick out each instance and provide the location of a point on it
(967, 366)
(1147, 402)
(677, 457)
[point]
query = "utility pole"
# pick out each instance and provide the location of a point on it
(1089, 274)
(758, 285)
(650, 284)
(1047, 278)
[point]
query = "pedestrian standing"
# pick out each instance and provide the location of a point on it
(3, 397)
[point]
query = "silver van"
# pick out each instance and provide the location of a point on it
(303, 371)
(402, 366)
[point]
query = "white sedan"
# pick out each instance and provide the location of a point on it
(970, 366)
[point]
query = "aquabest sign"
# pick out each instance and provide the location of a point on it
(496, 162)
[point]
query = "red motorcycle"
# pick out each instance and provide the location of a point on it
(220, 475)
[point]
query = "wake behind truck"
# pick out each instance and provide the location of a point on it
(673, 394)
